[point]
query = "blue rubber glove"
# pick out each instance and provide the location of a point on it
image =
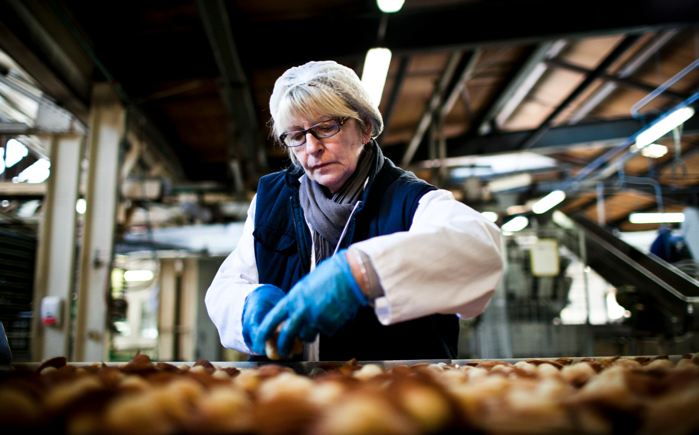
(318, 304)
(258, 303)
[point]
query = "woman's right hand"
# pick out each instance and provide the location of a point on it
(320, 303)
(258, 303)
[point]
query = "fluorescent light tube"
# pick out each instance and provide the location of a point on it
(549, 201)
(516, 224)
(656, 218)
(563, 220)
(375, 72)
(138, 275)
(664, 126)
(512, 182)
(390, 6)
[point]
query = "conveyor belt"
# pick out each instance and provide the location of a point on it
(307, 367)
(673, 292)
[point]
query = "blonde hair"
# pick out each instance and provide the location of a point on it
(309, 101)
(306, 102)
(321, 89)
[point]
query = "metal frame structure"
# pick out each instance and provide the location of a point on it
(672, 290)
(246, 149)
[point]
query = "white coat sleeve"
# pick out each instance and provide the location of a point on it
(449, 262)
(234, 281)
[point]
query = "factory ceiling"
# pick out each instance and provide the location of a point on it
(467, 78)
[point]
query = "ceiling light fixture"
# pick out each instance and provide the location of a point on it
(390, 6)
(654, 151)
(656, 218)
(664, 126)
(511, 182)
(562, 220)
(517, 224)
(375, 72)
(549, 201)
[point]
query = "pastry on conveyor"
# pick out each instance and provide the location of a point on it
(636, 395)
(271, 347)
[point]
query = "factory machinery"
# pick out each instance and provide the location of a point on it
(524, 317)
(662, 299)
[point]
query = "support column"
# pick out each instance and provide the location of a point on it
(189, 289)
(167, 306)
(107, 120)
(208, 343)
(186, 333)
(56, 252)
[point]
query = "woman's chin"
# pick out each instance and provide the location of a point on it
(330, 181)
(332, 185)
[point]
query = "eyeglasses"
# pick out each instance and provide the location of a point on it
(322, 130)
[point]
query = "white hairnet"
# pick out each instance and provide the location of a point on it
(332, 76)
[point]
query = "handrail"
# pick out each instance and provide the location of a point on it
(648, 266)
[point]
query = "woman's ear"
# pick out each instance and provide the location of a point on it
(366, 132)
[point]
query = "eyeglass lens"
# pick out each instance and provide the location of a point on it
(319, 131)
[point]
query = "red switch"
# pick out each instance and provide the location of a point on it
(48, 321)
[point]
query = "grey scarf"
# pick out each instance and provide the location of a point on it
(328, 213)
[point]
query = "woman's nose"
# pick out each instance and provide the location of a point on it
(313, 145)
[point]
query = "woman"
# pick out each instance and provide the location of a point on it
(355, 256)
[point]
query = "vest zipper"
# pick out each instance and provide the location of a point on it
(301, 236)
(344, 230)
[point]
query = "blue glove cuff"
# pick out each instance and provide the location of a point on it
(269, 288)
(341, 260)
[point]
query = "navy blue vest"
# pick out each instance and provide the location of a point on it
(283, 253)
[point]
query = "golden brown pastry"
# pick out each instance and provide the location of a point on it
(271, 347)
(587, 396)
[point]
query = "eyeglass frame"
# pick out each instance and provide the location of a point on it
(339, 121)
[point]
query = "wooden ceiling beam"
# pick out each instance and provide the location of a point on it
(616, 80)
(522, 79)
(618, 51)
(464, 72)
(433, 105)
(395, 93)
(629, 67)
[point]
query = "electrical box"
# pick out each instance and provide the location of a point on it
(51, 310)
(544, 258)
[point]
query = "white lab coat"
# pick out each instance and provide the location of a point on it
(450, 249)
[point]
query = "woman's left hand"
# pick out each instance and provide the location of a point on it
(320, 302)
